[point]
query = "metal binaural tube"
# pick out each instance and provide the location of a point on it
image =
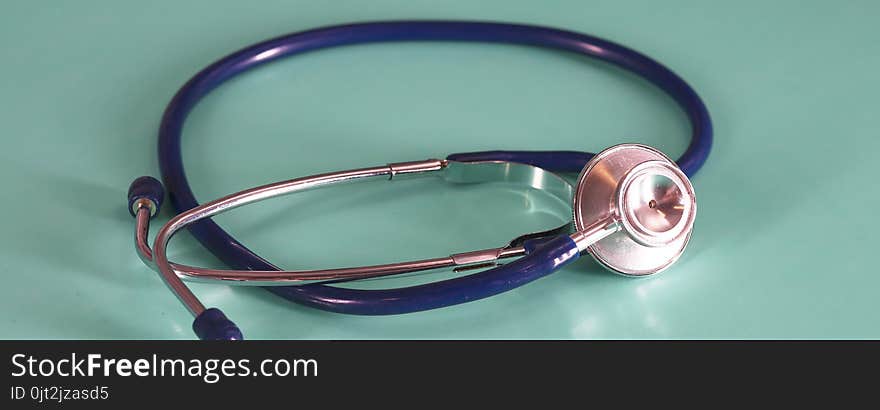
(143, 212)
(450, 171)
(229, 202)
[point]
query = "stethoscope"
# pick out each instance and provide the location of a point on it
(633, 207)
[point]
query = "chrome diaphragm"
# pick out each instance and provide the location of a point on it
(647, 196)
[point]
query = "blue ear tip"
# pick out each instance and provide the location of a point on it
(146, 187)
(212, 324)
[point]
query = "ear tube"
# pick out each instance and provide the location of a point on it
(145, 197)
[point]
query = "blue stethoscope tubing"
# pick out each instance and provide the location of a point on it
(554, 253)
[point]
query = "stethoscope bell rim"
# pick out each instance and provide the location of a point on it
(648, 196)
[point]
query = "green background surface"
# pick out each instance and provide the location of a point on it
(785, 238)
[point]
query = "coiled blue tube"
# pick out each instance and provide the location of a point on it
(439, 294)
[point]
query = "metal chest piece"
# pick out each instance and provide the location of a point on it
(647, 196)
